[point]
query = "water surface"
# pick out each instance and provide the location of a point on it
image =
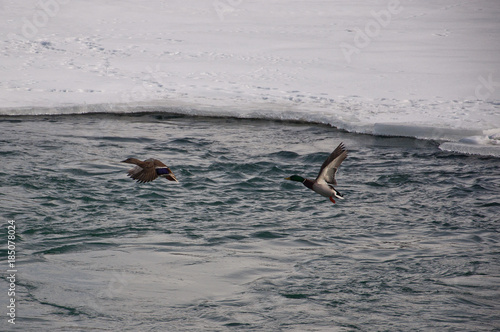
(233, 246)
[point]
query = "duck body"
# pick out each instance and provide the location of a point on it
(148, 170)
(323, 190)
(325, 181)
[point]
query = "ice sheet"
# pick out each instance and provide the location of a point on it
(412, 68)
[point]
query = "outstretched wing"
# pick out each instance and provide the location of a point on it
(144, 173)
(331, 165)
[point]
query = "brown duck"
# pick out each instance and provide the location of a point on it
(148, 170)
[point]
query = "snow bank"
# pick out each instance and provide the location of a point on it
(405, 68)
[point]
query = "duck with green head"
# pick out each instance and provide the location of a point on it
(325, 180)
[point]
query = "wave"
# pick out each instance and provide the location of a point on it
(471, 136)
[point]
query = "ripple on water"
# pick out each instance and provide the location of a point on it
(233, 244)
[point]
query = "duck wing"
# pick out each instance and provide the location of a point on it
(157, 163)
(146, 172)
(163, 170)
(331, 165)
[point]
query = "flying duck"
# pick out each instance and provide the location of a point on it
(148, 170)
(325, 181)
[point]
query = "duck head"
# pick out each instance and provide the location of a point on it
(296, 178)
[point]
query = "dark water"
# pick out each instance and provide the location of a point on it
(235, 247)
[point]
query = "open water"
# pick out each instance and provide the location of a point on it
(414, 246)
